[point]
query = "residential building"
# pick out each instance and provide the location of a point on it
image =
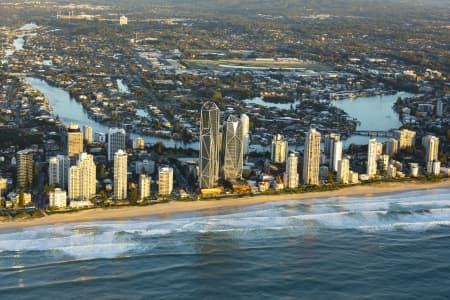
(372, 158)
(311, 158)
(74, 140)
(58, 171)
(343, 172)
(335, 154)
(87, 134)
(209, 146)
(120, 175)
(391, 146)
(291, 178)
(25, 170)
(57, 198)
(245, 120)
(405, 137)
(279, 149)
(144, 187)
(82, 178)
(165, 181)
(116, 141)
(233, 151)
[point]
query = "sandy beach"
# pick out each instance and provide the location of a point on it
(165, 209)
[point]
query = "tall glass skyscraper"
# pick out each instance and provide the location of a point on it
(209, 145)
(232, 148)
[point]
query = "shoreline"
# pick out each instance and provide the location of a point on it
(167, 209)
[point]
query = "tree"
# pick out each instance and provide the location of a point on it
(133, 195)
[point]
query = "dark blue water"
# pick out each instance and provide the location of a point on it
(386, 247)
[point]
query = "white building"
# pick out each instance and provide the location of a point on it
(58, 198)
(343, 172)
(278, 149)
(123, 20)
(311, 158)
(144, 187)
(116, 141)
(372, 158)
(120, 175)
(414, 169)
(291, 177)
(245, 120)
(82, 179)
(165, 181)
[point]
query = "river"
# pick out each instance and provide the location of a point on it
(71, 111)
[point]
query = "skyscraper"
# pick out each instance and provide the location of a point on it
(343, 172)
(405, 138)
(74, 140)
(232, 148)
(291, 175)
(209, 145)
(431, 144)
(372, 156)
(87, 134)
(58, 171)
(116, 141)
(82, 178)
(144, 187)
(311, 159)
(391, 146)
(328, 142)
(335, 154)
(279, 149)
(165, 181)
(245, 132)
(25, 169)
(120, 175)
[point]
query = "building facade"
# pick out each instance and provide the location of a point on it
(116, 141)
(120, 175)
(372, 156)
(233, 148)
(58, 171)
(279, 149)
(82, 179)
(291, 177)
(209, 146)
(311, 158)
(25, 170)
(165, 181)
(74, 140)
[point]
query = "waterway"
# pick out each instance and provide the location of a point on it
(123, 88)
(373, 113)
(70, 111)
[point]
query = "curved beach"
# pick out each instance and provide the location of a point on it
(129, 212)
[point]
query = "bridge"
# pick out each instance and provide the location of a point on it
(375, 133)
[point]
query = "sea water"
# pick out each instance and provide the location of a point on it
(393, 246)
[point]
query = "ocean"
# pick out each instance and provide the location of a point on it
(392, 246)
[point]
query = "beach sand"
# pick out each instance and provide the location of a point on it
(164, 209)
